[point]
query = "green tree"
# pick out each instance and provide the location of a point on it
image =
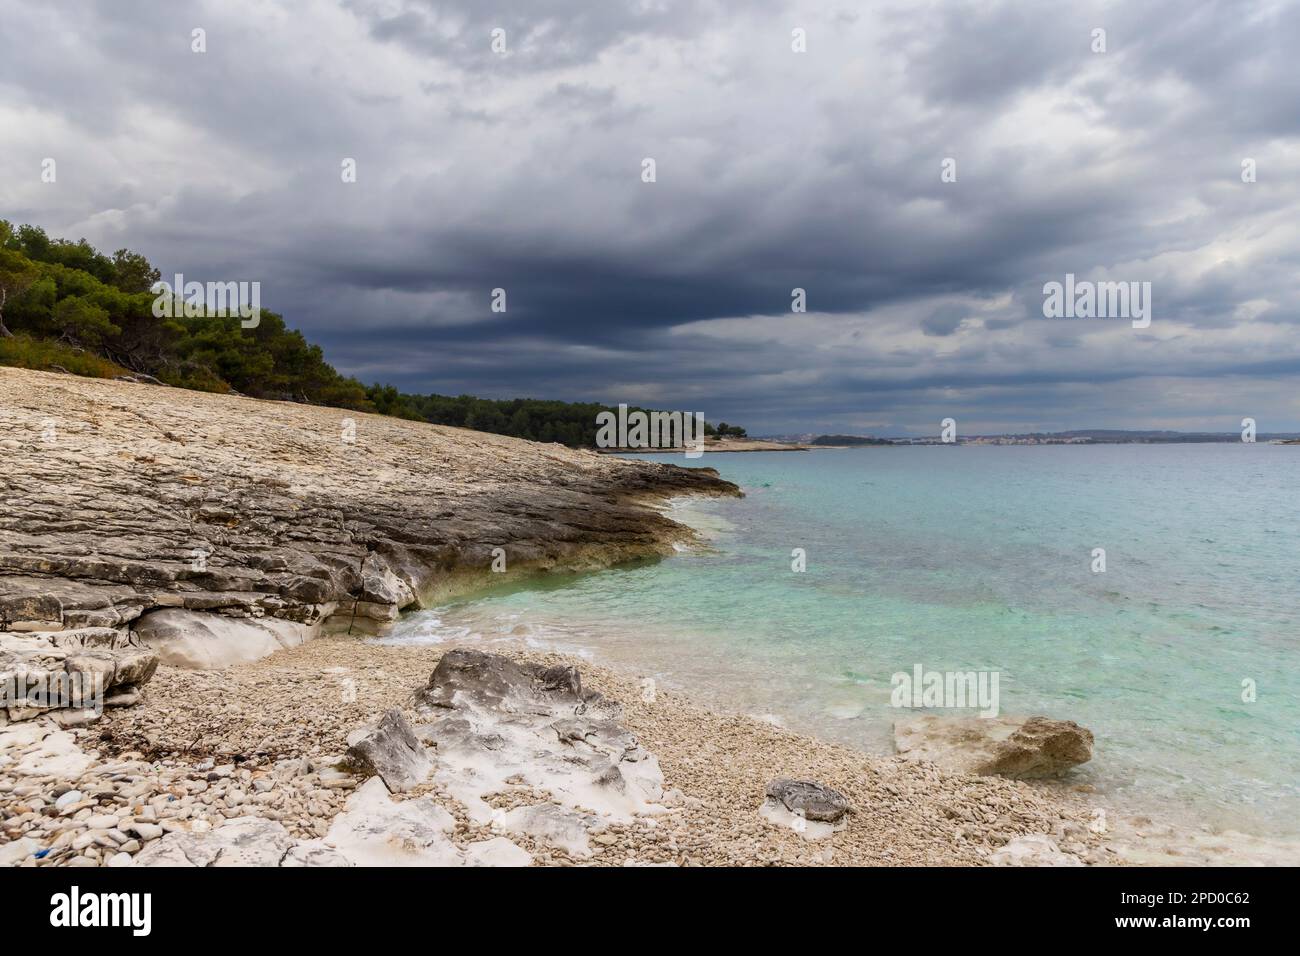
(133, 273)
(81, 322)
(17, 273)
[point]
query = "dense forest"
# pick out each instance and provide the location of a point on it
(66, 307)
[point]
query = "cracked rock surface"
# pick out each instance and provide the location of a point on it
(124, 499)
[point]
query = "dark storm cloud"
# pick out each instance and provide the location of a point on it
(775, 170)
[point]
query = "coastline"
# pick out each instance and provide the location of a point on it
(314, 538)
(713, 446)
(201, 736)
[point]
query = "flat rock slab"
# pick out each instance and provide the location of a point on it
(242, 841)
(153, 497)
(1015, 747)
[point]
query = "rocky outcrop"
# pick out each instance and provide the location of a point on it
(506, 730)
(153, 498)
(499, 724)
(393, 752)
(1015, 747)
(206, 641)
(70, 674)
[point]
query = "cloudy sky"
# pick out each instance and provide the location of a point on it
(775, 170)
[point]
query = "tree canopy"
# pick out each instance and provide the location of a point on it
(63, 304)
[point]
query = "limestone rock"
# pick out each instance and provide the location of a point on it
(560, 827)
(1016, 747)
(201, 640)
(499, 683)
(811, 800)
(393, 752)
(241, 841)
(72, 673)
(1035, 849)
(498, 723)
(376, 830)
(165, 498)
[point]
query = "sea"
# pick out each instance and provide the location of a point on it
(1147, 591)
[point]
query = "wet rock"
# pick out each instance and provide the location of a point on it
(1015, 747)
(393, 752)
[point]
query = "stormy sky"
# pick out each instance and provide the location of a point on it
(775, 170)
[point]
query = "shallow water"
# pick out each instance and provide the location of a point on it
(979, 558)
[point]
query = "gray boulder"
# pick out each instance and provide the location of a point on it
(810, 800)
(393, 752)
(494, 682)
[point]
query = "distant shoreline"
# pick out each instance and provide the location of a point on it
(712, 446)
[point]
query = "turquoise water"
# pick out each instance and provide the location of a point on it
(980, 558)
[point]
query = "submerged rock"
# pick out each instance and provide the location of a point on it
(1015, 747)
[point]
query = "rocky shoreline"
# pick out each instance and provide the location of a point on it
(212, 529)
(251, 764)
(208, 568)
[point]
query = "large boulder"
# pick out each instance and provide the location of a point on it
(499, 723)
(393, 752)
(199, 640)
(1016, 747)
(72, 674)
(465, 676)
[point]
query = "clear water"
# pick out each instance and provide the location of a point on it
(980, 558)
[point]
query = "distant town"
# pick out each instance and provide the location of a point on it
(1094, 436)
